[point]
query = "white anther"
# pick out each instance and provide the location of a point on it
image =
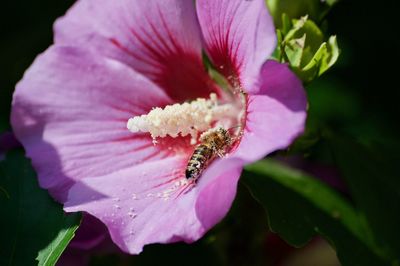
(182, 119)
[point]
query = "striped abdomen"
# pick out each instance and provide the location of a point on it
(199, 160)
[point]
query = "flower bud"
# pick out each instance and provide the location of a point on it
(302, 44)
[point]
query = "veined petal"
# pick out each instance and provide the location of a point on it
(160, 39)
(70, 112)
(132, 204)
(239, 36)
(275, 116)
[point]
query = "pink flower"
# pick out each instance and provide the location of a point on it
(113, 60)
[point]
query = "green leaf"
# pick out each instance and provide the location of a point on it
(313, 68)
(297, 24)
(294, 50)
(53, 251)
(325, 57)
(332, 55)
(34, 228)
(375, 186)
(301, 44)
(300, 207)
(313, 40)
(315, 9)
(293, 9)
(286, 24)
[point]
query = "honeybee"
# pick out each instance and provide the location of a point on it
(213, 142)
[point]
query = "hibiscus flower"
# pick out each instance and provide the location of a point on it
(118, 60)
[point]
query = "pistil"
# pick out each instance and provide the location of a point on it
(182, 119)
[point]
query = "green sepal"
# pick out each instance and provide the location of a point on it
(304, 48)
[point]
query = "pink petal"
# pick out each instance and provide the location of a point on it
(276, 115)
(239, 36)
(70, 112)
(160, 39)
(131, 205)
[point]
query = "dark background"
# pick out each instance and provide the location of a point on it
(367, 69)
